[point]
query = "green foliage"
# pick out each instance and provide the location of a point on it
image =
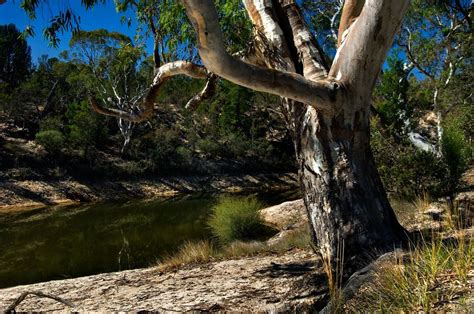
(236, 218)
(85, 128)
(51, 140)
(15, 56)
(393, 105)
(51, 123)
(457, 152)
(164, 152)
(404, 169)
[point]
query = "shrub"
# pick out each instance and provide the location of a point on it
(456, 153)
(50, 123)
(405, 170)
(236, 218)
(51, 140)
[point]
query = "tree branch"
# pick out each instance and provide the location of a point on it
(40, 294)
(207, 92)
(203, 15)
(314, 64)
(350, 12)
(164, 72)
(363, 51)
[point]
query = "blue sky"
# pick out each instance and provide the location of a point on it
(100, 16)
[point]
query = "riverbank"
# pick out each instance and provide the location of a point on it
(24, 194)
(270, 281)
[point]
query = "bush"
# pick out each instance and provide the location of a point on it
(405, 170)
(433, 274)
(456, 153)
(51, 123)
(51, 140)
(236, 218)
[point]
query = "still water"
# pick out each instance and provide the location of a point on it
(66, 242)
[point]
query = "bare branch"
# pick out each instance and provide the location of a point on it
(314, 65)
(207, 92)
(368, 39)
(164, 72)
(203, 15)
(350, 12)
(40, 294)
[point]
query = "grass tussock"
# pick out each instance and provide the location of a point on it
(434, 274)
(205, 251)
(190, 253)
(236, 218)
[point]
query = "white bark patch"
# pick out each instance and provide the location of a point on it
(272, 31)
(315, 155)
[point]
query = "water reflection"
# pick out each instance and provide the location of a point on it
(64, 242)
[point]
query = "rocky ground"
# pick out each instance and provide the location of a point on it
(18, 194)
(268, 282)
(264, 283)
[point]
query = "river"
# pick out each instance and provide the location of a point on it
(72, 241)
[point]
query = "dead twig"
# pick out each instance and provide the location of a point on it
(40, 294)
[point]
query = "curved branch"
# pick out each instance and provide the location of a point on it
(146, 111)
(203, 15)
(207, 92)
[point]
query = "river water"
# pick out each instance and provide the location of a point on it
(72, 241)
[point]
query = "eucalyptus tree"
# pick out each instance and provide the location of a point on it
(326, 106)
(112, 59)
(436, 38)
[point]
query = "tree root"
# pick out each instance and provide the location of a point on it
(40, 294)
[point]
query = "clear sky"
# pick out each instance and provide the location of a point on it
(100, 16)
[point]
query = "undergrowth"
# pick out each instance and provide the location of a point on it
(434, 273)
(206, 251)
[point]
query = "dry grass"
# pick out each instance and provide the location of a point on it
(205, 251)
(437, 273)
(422, 203)
(189, 253)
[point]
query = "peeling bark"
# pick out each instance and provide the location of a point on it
(326, 110)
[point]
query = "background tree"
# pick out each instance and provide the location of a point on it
(112, 61)
(436, 38)
(15, 56)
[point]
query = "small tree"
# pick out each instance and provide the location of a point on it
(112, 61)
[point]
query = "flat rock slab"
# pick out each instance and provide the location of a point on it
(288, 281)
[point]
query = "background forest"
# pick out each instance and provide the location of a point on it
(423, 116)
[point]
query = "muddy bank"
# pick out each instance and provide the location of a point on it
(34, 193)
